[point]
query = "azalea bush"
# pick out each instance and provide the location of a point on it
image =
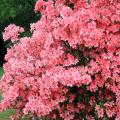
(69, 68)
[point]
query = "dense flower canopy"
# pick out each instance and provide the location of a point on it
(69, 67)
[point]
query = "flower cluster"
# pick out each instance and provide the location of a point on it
(69, 67)
(12, 32)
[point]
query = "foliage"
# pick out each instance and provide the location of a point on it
(1, 72)
(69, 67)
(12, 8)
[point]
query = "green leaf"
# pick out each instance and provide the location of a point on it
(1, 72)
(88, 1)
(9, 44)
(105, 118)
(25, 118)
(0, 96)
(96, 116)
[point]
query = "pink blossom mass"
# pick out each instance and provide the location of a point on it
(70, 67)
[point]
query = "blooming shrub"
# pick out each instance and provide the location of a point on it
(69, 67)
